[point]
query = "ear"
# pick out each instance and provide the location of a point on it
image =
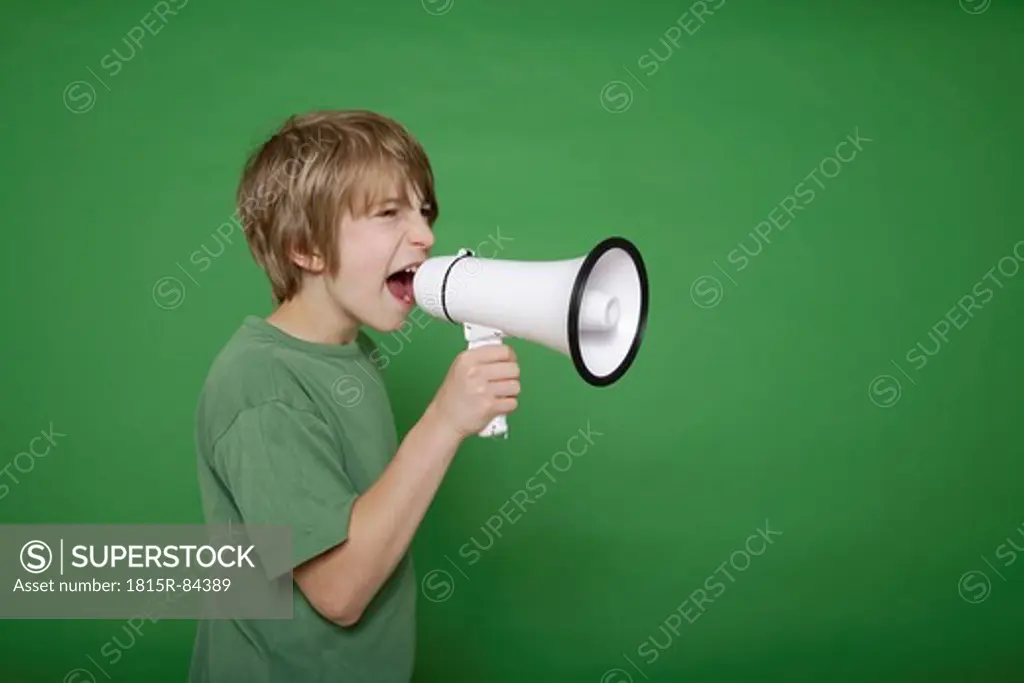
(314, 263)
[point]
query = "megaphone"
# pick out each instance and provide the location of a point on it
(592, 308)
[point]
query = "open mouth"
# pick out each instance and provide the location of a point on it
(400, 283)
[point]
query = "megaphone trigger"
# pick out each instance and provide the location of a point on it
(481, 335)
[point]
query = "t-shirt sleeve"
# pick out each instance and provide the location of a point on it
(284, 466)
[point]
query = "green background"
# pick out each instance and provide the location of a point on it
(755, 408)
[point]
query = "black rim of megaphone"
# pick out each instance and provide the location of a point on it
(576, 300)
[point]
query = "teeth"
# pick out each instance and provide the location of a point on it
(409, 269)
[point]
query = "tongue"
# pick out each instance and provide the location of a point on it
(400, 286)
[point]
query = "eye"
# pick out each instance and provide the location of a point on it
(426, 210)
(390, 212)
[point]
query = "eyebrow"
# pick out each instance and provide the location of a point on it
(398, 200)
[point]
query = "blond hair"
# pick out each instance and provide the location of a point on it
(315, 169)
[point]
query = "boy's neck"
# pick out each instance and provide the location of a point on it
(314, 319)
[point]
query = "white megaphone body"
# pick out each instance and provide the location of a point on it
(592, 308)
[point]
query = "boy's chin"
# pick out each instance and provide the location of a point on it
(391, 318)
(389, 327)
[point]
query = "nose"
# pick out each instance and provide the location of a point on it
(421, 234)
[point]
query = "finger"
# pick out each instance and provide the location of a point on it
(499, 371)
(503, 406)
(506, 388)
(493, 353)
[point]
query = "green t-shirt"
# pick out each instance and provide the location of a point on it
(290, 432)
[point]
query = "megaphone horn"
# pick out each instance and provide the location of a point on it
(592, 308)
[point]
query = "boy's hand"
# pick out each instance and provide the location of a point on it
(481, 384)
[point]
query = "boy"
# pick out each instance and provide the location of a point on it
(338, 209)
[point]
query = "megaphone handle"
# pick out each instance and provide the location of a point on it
(480, 335)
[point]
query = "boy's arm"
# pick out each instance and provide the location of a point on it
(341, 582)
